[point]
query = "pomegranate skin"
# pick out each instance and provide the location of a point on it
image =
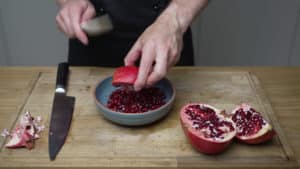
(203, 145)
(198, 141)
(261, 139)
(26, 140)
(125, 75)
(25, 132)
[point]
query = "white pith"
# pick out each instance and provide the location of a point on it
(15, 140)
(228, 135)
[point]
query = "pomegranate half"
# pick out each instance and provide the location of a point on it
(125, 75)
(251, 127)
(208, 129)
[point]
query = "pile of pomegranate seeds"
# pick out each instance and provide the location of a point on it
(248, 121)
(205, 120)
(126, 100)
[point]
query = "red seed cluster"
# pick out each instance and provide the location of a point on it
(248, 122)
(206, 118)
(129, 101)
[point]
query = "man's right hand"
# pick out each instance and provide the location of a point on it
(71, 15)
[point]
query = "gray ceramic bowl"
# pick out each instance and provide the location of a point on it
(105, 88)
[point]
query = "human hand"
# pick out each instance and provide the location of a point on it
(71, 15)
(158, 48)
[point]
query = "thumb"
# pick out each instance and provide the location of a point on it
(133, 54)
(88, 13)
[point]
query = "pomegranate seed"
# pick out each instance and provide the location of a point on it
(205, 118)
(248, 122)
(128, 101)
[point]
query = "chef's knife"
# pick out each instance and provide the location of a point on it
(62, 112)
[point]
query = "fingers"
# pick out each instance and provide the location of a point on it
(160, 67)
(88, 13)
(70, 17)
(61, 24)
(145, 67)
(75, 16)
(155, 61)
(173, 58)
(64, 23)
(133, 54)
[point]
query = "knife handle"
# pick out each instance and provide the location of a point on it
(62, 77)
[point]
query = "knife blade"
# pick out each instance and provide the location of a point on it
(62, 112)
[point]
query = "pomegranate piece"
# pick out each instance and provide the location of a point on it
(25, 132)
(125, 75)
(208, 129)
(251, 127)
(20, 138)
(129, 101)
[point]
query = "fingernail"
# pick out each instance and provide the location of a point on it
(84, 41)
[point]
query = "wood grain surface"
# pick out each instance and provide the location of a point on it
(97, 143)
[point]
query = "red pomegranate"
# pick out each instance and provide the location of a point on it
(251, 127)
(125, 75)
(208, 129)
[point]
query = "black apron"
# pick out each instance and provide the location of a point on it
(130, 18)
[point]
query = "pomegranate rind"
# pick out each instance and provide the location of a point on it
(261, 139)
(198, 140)
(20, 138)
(15, 141)
(125, 75)
(24, 133)
(204, 145)
(265, 134)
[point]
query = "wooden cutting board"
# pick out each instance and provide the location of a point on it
(95, 142)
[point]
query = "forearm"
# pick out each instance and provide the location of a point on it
(184, 11)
